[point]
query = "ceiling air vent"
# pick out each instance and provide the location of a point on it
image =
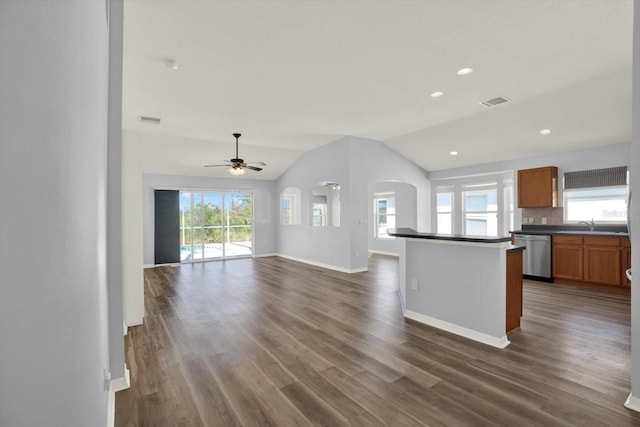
(150, 120)
(495, 101)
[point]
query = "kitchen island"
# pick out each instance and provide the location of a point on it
(466, 285)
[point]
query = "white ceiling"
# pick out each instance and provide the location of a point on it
(294, 75)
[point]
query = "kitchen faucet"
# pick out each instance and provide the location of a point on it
(592, 225)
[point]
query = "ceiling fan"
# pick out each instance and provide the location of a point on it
(237, 165)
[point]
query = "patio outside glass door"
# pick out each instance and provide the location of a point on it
(215, 225)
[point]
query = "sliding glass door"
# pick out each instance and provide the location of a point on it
(215, 225)
(239, 224)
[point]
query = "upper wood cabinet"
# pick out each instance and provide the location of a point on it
(538, 188)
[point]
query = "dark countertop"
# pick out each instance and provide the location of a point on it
(573, 230)
(411, 233)
(515, 248)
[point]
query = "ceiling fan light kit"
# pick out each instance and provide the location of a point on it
(236, 171)
(237, 165)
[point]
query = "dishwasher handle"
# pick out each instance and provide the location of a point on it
(539, 237)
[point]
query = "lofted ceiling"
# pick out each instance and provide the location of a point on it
(294, 75)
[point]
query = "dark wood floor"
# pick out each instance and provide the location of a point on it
(270, 341)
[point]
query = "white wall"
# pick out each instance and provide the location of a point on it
(322, 245)
(132, 236)
(263, 202)
(53, 180)
(114, 195)
(354, 163)
(634, 398)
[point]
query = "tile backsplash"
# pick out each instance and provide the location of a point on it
(553, 216)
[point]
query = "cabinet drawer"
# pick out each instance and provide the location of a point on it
(567, 240)
(602, 241)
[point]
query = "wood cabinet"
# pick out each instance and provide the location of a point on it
(514, 290)
(567, 258)
(602, 260)
(595, 260)
(625, 260)
(538, 188)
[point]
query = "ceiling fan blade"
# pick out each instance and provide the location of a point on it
(253, 168)
(213, 166)
(257, 163)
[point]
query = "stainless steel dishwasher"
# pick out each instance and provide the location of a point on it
(536, 260)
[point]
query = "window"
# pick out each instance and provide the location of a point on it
(288, 202)
(290, 206)
(480, 205)
(480, 209)
(599, 195)
(444, 209)
(319, 218)
(384, 215)
(602, 204)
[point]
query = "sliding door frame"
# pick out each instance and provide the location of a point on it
(224, 228)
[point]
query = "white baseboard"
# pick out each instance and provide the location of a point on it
(115, 385)
(395, 254)
(122, 383)
(169, 264)
(327, 266)
(402, 307)
(264, 255)
(499, 342)
(134, 322)
(111, 408)
(632, 403)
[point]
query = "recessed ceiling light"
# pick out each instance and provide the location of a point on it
(436, 94)
(453, 153)
(464, 71)
(172, 64)
(545, 132)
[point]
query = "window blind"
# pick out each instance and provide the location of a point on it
(606, 177)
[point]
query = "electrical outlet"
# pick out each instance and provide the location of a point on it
(531, 220)
(544, 220)
(414, 284)
(524, 220)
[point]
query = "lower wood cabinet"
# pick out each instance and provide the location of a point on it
(625, 259)
(568, 255)
(602, 260)
(597, 260)
(514, 290)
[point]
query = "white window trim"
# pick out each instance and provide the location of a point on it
(382, 196)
